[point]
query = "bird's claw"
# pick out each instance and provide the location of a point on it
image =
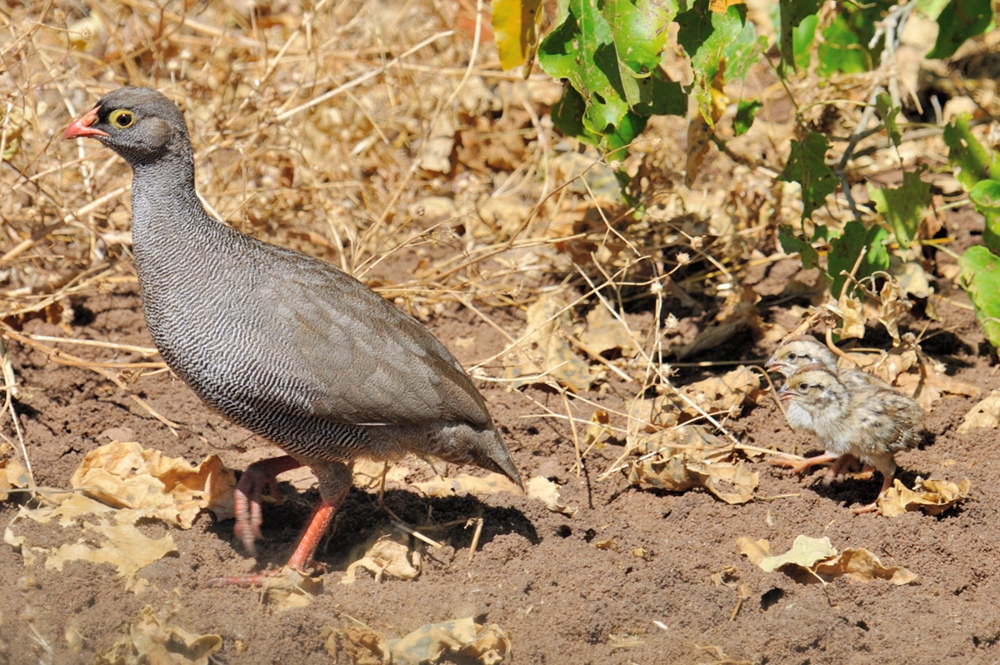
(246, 504)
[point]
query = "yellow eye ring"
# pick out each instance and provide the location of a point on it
(122, 118)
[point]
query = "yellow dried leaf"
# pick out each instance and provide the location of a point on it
(493, 483)
(122, 545)
(719, 394)
(124, 475)
(815, 559)
(151, 639)
(852, 317)
(892, 305)
(862, 566)
(605, 332)
(368, 473)
(754, 550)
(462, 637)
(289, 589)
(681, 469)
(806, 552)
(548, 321)
(547, 492)
(986, 414)
(385, 557)
(932, 496)
(13, 475)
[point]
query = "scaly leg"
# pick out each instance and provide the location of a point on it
(246, 500)
(801, 465)
(335, 480)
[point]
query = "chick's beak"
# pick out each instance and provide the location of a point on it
(784, 394)
(772, 365)
(83, 128)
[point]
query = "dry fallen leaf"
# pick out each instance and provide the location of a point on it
(462, 637)
(545, 349)
(932, 496)
(386, 557)
(13, 475)
(120, 544)
(547, 492)
(493, 483)
(124, 475)
(721, 394)
(151, 639)
(605, 332)
(288, 589)
(368, 473)
(986, 414)
(815, 559)
(689, 457)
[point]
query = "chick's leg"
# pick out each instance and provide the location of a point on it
(885, 465)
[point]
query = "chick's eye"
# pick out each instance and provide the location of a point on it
(792, 355)
(122, 118)
(803, 387)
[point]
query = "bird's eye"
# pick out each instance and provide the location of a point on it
(122, 118)
(803, 387)
(792, 355)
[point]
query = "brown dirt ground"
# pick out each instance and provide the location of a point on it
(537, 573)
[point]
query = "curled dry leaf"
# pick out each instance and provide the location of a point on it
(368, 473)
(119, 543)
(547, 492)
(492, 483)
(605, 332)
(386, 557)
(986, 414)
(124, 475)
(687, 462)
(815, 559)
(931, 496)
(289, 589)
(13, 475)
(721, 394)
(461, 638)
(545, 349)
(152, 639)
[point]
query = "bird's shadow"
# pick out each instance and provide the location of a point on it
(360, 521)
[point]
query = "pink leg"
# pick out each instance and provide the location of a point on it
(249, 490)
(335, 480)
(801, 465)
(873, 507)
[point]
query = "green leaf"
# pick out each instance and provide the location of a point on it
(888, 113)
(807, 166)
(791, 41)
(844, 252)
(792, 244)
(706, 37)
(968, 157)
(960, 20)
(981, 280)
(841, 50)
(581, 50)
(903, 207)
(986, 197)
(745, 112)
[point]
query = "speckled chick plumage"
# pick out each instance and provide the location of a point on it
(871, 422)
(796, 352)
(283, 344)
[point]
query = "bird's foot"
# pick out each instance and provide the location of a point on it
(799, 465)
(870, 508)
(295, 578)
(249, 492)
